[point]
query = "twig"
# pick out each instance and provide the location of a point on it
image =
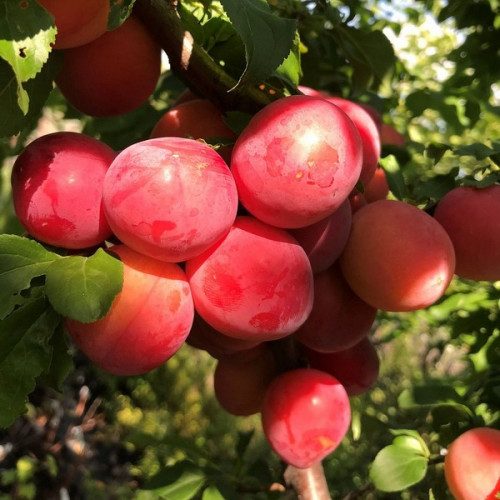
(192, 64)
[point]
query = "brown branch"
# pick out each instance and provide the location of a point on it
(192, 64)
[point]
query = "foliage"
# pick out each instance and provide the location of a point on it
(429, 69)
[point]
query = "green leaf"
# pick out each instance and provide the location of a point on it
(61, 363)
(30, 357)
(244, 439)
(268, 39)
(436, 151)
(394, 176)
(237, 120)
(26, 32)
(12, 118)
(428, 395)
(179, 482)
(399, 465)
(478, 150)
(83, 288)
(21, 260)
(486, 181)
(14, 326)
(367, 51)
(290, 69)
(120, 10)
(212, 493)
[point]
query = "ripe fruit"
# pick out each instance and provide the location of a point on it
(356, 368)
(296, 161)
(470, 216)
(397, 258)
(241, 380)
(339, 318)
(324, 240)
(390, 136)
(196, 119)
(369, 132)
(148, 322)
(377, 188)
(78, 22)
(472, 465)
(256, 283)
(114, 74)
(170, 198)
(57, 189)
(305, 415)
(205, 337)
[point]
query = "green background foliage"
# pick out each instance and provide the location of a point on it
(431, 69)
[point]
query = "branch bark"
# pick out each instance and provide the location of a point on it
(192, 64)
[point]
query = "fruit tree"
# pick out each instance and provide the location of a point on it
(250, 249)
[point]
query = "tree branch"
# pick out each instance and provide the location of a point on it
(192, 64)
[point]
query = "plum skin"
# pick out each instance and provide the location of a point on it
(398, 258)
(114, 74)
(305, 415)
(148, 322)
(57, 189)
(296, 161)
(470, 216)
(256, 283)
(472, 464)
(170, 198)
(78, 22)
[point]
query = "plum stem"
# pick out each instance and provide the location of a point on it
(310, 483)
(192, 64)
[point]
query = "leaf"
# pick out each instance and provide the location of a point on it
(436, 151)
(179, 482)
(429, 395)
(26, 33)
(14, 326)
(212, 493)
(364, 49)
(290, 69)
(120, 10)
(61, 363)
(12, 118)
(237, 120)
(244, 439)
(21, 260)
(394, 176)
(399, 465)
(478, 150)
(83, 288)
(29, 358)
(268, 39)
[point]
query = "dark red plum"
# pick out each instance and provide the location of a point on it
(339, 318)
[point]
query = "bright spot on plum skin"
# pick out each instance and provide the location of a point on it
(255, 283)
(296, 161)
(170, 198)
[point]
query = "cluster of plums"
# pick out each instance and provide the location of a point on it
(239, 248)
